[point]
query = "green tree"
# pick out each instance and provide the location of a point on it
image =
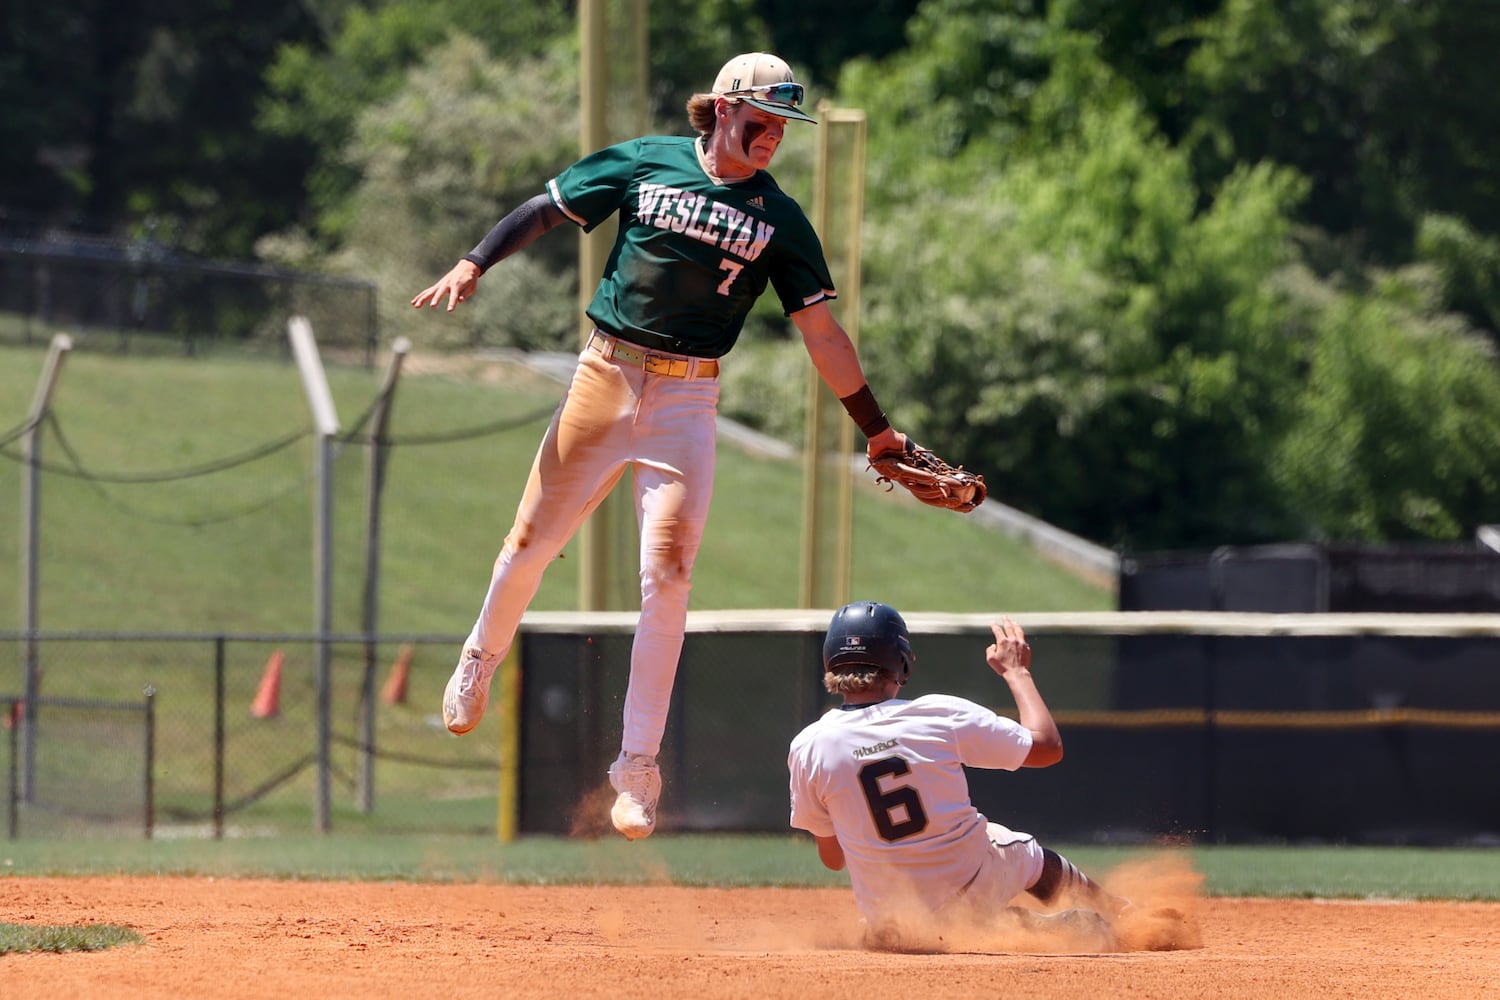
(962, 88)
(122, 112)
(44, 152)
(1073, 327)
(318, 88)
(1398, 421)
(802, 35)
(1058, 302)
(1379, 104)
(1468, 264)
(463, 140)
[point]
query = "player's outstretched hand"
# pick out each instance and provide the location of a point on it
(458, 285)
(1009, 652)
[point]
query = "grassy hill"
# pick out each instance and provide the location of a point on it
(178, 496)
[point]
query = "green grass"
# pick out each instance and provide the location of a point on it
(15, 938)
(233, 551)
(736, 860)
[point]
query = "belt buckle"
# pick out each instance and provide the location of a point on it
(655, 364)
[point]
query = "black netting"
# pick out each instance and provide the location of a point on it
(1413, 579)
(145, 298)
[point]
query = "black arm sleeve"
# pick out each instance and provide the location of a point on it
(516, 231)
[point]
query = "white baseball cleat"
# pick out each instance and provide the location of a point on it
(638, 780)
(468, 690)
(1086, 930)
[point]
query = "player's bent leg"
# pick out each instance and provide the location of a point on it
(513, 583)
(657, 647)
(655, 651)
(1017, 864)
(673, 489)
(511, 589)
(559, 496)
(1013, 865)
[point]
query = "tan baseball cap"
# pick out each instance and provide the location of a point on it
(762, 81)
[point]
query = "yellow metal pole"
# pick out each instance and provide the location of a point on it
(813, 569)
(508, 683)
(851, 122)
(593, 78)
(607, 578)
(828, 491)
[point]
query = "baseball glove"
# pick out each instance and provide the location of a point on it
(930, 479)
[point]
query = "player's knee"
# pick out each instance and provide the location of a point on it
(520, 557)
(666, 569)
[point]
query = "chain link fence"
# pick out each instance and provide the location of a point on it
(87, 765)
(234, 750)
(139, 296)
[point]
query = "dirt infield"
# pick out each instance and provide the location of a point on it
(232, 939)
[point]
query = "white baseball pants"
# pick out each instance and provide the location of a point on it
(612, 416)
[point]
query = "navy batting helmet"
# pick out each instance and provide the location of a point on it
(868, 633)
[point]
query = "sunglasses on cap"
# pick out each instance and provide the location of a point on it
(781, 93)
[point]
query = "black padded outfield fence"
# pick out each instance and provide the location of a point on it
(1233, 728)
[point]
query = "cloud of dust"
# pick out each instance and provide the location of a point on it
(590, 818)
(993, 930)
(1164, 891)
(1163, 888)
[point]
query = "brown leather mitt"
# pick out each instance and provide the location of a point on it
(930, 479)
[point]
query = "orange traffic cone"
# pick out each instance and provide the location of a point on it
(267, 703)
(394, 692)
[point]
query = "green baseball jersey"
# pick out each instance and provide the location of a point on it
(692, 255)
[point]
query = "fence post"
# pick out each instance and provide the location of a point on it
(374, 490)
(31, 496)
(150, 760)
(219, 738)
(325, 418)
(13, 795)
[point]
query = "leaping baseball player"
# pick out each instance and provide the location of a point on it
(704, 231)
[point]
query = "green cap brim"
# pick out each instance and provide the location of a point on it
(777, 108)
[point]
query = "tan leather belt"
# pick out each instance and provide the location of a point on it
(670, 365)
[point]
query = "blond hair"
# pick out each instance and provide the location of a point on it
(847, 682)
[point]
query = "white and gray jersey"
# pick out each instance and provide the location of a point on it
(888, 781)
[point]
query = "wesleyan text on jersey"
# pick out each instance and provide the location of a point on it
(703, 219)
